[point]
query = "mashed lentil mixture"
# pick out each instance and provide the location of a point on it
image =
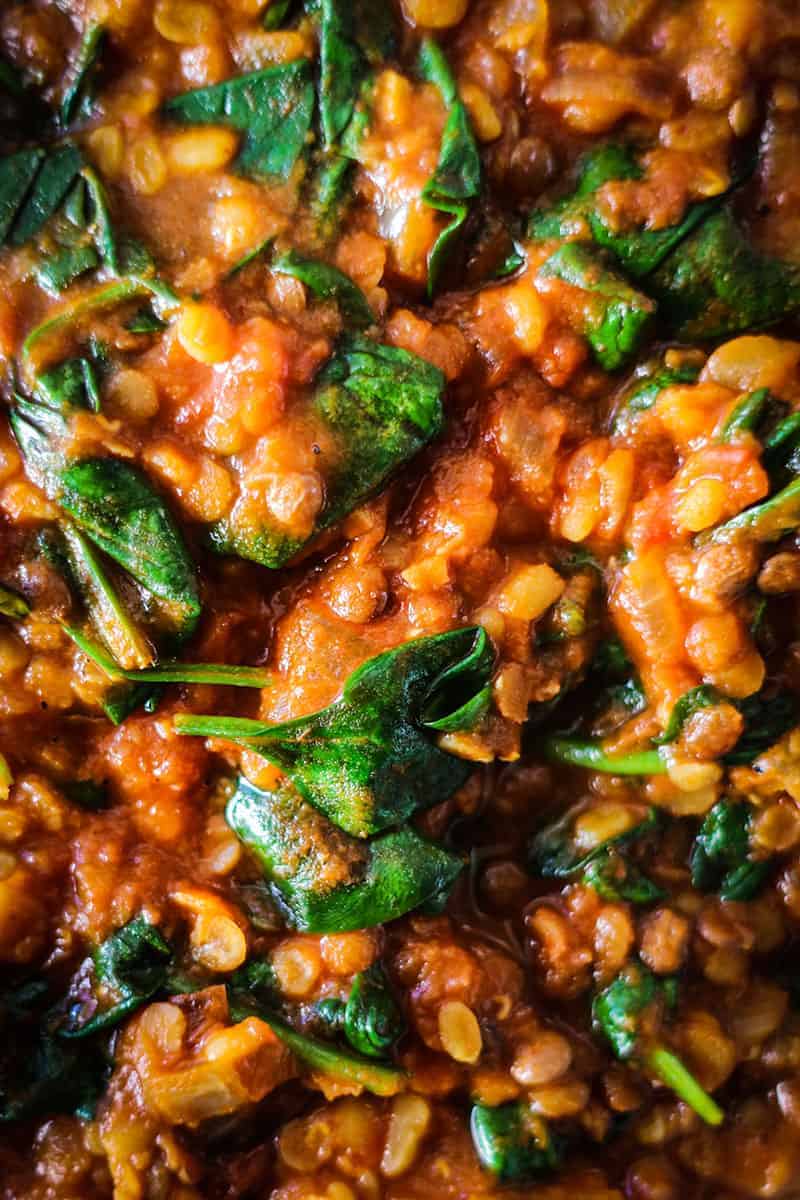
(399, 579)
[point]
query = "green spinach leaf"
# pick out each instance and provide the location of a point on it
(616, 318)
(272, 110)
(172, 672)
(381, 406)
(720, 858)
(367, 761)
(715, 284)
(117, 507)
(13, 605)
(327, 283)
(627, 1013)
(352, 38)
(58, 171)
(456, 182)
(643, 391)
(78, 100)
(510, 1149)
(640, 250)
(327, 881)
(132, 964)
(690, 702)
(373, 1022)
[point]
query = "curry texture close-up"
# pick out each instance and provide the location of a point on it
(399, 599)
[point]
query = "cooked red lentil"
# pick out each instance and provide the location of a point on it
(399, 579)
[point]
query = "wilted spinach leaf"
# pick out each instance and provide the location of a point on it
(12, 604)
(627, 1013)
(118, 508)
(367, 761)
(614, 316)
(352, 37)
(381, 405)
(456, 182)
(327, 283)
(720, 858)
(327, 881)
(370, 1018)
(132, 964)
(271, 109)
(554, 852)
(508, 1148)
(78, 99)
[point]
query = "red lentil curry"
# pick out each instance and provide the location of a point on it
(399, 565)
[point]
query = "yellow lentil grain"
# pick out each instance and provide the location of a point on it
(165, 1025)
(261, 48)
(106, 146)
(205, 333)
(218, 943)
(297, 967)
(196, 150)
(689, 776)
(485, 121)
(146, 167)
(304, 1145)
(530, 591)
(394, 98)
(435, 14)
(22, 502)
(459, 1031)
(132, 396)
(703, 505)
(408, 1125)
(13, 824)
(526, 314)
(602, 823)
(187, 22)
(541, 1061)
(348, 953)
(556, 1100)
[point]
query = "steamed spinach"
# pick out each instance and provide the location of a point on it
(690, 702)
(554, 854)
(639, 251)
(33, 186)
(628, 1013)
(377, 1078)
(117, 507)
(715, 284)
(172, 672)
(327, 881)
(456, 182)
(353, 37)
(13, 605)
(78, 100)
(370, 1018)
(381, 405)
(615, 317)
(132, 964)
(327, 283)
(271, 109)
(643, 391)
(720, 858)
(369, 761)
(511, 1149)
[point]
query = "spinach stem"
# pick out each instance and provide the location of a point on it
(575, 752)
(671, 1071)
